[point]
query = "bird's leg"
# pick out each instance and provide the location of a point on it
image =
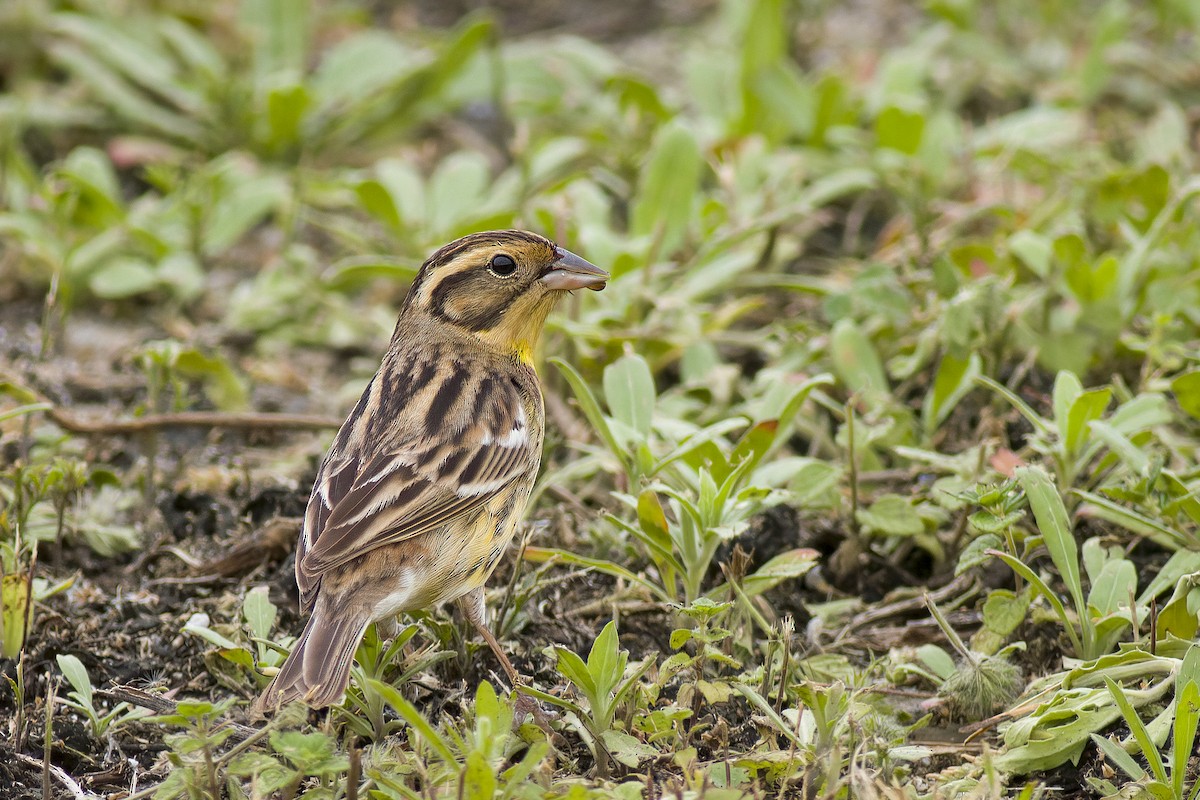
(472, 606)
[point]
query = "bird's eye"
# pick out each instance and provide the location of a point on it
(502, 265)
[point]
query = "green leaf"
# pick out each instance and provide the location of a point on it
(1118, 756)
(542, 554)
(574, 669)
(899, 129)
(1186, 388)
(591, 408)
(1138, 729)
(787, 565)
(856, 361)
(246, 203)
(1067, 390)
(1130, 454)
(1034, 419)
(286, 107)
(1004, 611)
(414, 718)
(224, 384)
(14, 613)
(627, 749)
(680, 637)
(1103, 508)
(653, 520)
(259, 612)
(76, 675)
(692, 445)
(891, 515)
(478, 780)
(1115, 585)
(280, 32)
(667, 189)
(605, 661)
(629, 391)
(955, 378)
(1187, 719)
(1087, 407)
(1033, 249)
(1055, 527)
(122, 277)
(1051, 597)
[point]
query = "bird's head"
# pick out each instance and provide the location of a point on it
(499, 286)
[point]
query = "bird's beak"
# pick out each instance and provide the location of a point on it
(569, 271)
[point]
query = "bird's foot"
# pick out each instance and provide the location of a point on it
(526, 707)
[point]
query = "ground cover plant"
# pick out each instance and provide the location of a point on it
(872, 473)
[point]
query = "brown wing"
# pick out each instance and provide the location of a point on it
(363, 502)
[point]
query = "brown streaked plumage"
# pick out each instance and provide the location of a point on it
(426, 481)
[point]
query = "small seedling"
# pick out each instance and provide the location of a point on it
(82, 699)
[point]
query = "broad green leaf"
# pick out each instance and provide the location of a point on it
(694, 442)
(627, 749)
(1138, 729)
(250, 200)
(225, 386)
(604, 660)
(286, 108)
(891, 515)
(121, 277)
(1118, 756)
(1114, 587)
(1187, 718)
(574, 669)
(1181, 562)
(591, 408)
(517, 775)
(280, 32)
(856, 361)
(652, 518)
(1004, 611)
(1087, 407)
(955, 378)
(667, 190)
(1055, 527)
(457, 191)
(789, 564)
(1067, 390)
(124, 99)
(900, 130)
(1186, 388)
(14, 613)
(314, 753)
(937, 660)
(1051, 597)
(375, 199)
(478, 780)
(76, 675)
(1130, 454)
(259, 612)
(391, 695)
(1141, 413)
(1103, 508)
(354, 272)
(629, 392)
(1033, 249)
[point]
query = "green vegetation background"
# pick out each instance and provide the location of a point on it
(885, 426)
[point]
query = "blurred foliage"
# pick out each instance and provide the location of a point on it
(924, 273)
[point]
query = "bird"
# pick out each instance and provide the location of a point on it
(425, 483)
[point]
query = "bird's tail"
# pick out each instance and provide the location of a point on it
(318, 668)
